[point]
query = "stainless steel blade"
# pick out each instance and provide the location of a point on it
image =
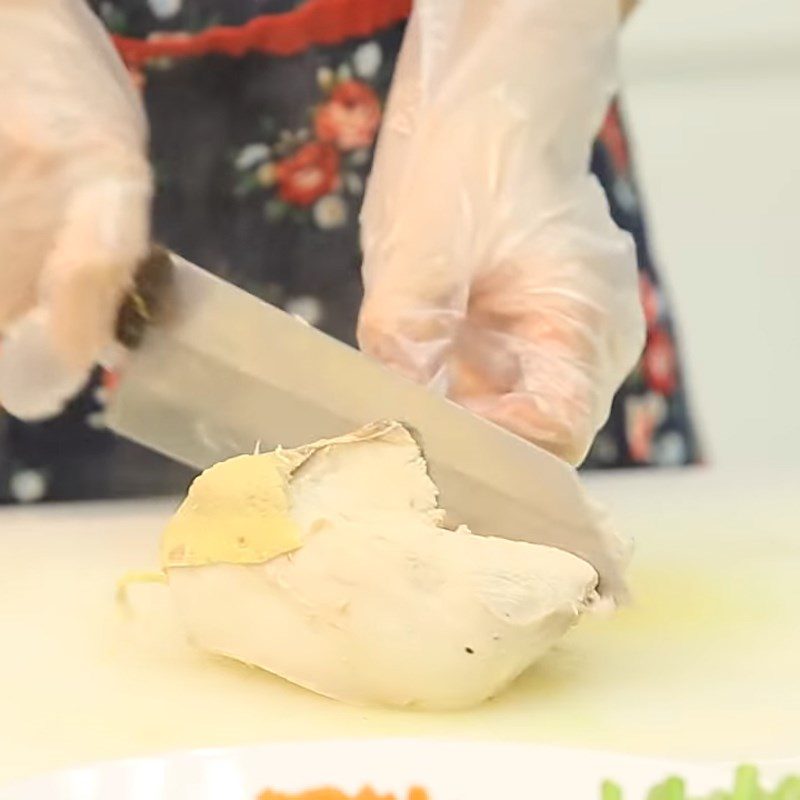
(229, 371)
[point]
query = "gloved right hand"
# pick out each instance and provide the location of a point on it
(75, 198)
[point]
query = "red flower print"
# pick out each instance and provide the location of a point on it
(109, 380)
(137, 77)
(350, 118)
(659, 363)
(642, 416)
(613, 139)
(308, 174)
(651, 302)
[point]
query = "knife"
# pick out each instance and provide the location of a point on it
(213, 371)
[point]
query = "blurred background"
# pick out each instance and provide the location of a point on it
(712, 94)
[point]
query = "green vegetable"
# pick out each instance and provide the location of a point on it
(788, 789)
(674, 789)
(610, 791)
(746, 786)
(658, 792)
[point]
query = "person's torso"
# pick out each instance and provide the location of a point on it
(263, 118)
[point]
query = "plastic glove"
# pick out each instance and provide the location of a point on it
(493, 271)
(74, 198)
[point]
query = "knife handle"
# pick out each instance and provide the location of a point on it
(148, 301)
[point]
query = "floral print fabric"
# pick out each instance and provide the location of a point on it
(650, 423)
(316, 174)
(261, 160)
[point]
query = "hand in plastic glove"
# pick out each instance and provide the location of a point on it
(74, 198)
(493, 271)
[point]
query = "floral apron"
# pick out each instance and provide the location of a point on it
(263, 119)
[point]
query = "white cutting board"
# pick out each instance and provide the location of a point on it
(705, 664)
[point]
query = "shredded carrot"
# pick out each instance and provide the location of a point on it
(328, 793)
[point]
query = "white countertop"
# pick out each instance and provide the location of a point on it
(705, 664)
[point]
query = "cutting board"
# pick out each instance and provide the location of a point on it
(704, 664)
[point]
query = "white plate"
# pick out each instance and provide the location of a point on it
(449, 771)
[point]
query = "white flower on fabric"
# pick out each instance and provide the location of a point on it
(96, 420)
(306, 308)
(367, 60)
(251, 154)
(670, 449)
(101, 395)
(267, 174)
(325, 78)
(344, 73)
(353, 183)
(28, 485)
(160, 63)
(359, 157)
(624, 194)
(330, 212)
(165, 8)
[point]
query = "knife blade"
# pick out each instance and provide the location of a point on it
(223, 372)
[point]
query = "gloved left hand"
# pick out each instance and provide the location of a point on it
(74, 198)
(493, 271)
